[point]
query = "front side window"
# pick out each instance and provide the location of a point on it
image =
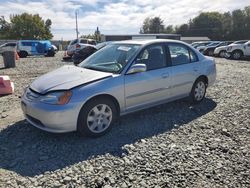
(111, 58)
(153, 57)
(181, 54)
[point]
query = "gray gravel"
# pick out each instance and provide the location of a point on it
(172, 145)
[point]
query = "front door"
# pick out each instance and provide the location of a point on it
(151, 86)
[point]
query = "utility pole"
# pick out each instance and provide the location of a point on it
(76, 25)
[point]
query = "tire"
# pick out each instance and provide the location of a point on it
(198, 91)
(97, 117)
(210, 53)
(222, 53)
(236, 55)
(51, 53)
(23, 54)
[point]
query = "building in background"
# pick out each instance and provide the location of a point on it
(194, 39)
(139, 36)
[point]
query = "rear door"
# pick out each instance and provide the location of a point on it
(151, 86)
(185, 69)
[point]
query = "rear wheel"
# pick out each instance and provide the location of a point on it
(23, 54)
(198, 91)
(96, 117)
(210, 52)
(237, 55)
(222, 53)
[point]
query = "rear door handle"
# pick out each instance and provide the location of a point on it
(165, 75)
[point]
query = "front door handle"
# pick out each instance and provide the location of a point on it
(165, 75)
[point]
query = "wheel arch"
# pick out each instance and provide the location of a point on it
(203, 77)
(238, 50)
(104, 95)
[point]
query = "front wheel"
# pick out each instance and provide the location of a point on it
(96, 117)
(198, 91)
(237, 55)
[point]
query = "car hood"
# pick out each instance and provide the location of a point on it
(65, 78)
(236, 45)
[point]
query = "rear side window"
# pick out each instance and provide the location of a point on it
(92, 42)
(10, 44)
(83, 41)
(181, 54)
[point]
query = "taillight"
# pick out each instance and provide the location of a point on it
(229, 48)
(78, 46)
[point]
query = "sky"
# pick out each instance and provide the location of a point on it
(113, 16)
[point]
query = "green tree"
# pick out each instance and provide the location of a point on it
(247, 22)
(152, 25)
(4, 28)
(95, 36)
(182, 29)
(28, 26)
(238, 19)
(169, 29)
(207, 24)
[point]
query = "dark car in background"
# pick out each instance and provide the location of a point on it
(82, 54)
(202, 43)
(209, 50)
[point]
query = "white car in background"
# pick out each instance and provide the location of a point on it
(221, 51)
(79, 44)
(7, 46)
(237, 51)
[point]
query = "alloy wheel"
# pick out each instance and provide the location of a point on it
(236, 55)
(199, 90)
(99, 118)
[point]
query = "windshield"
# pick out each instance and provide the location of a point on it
(112, 58)
(213, 44)
(202, 44)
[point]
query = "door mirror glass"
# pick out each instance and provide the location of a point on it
(136, 68)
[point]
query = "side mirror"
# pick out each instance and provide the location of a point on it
(136, 68)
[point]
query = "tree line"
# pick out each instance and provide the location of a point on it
(233, 25)
(25, 26)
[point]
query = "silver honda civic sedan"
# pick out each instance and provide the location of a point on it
(121, 78)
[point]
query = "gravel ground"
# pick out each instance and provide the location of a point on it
(171, 145)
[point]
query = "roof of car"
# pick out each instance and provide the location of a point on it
(146, 41)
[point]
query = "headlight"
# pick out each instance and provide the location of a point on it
(229, 48)
(59, 98)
